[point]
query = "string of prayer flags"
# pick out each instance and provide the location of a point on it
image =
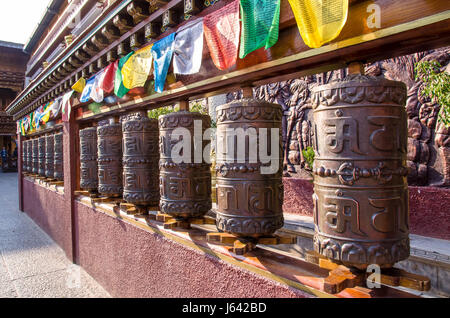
(222, 30)
(86, 94)
(319, 22)
(137, 69)
(109, 74)
(66, 106)
(162, 52)
(79, 85)
(97, 92)
(188, 48)
(260, 25)
(55, 108)
(119, 89)
(45, 116)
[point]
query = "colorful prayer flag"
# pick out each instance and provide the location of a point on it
(119, 89)
(137, 69)
(260, 25)
(162, 52)
(45, 116)
(97, 92)
(79, 85)
(66, 106)
(222, 30)
(107, 82)
(319, 22)
(188, 48)
(86, 95)
(55, 108)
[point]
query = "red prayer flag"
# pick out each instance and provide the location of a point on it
(222, 29)
(107, 83)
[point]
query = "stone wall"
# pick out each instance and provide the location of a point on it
(428, 140)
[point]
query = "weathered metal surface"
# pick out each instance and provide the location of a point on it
(361, 194)
(58, 164)
(30, 155)
(109, 143)
(140, 159)
(88, 159)
(41, 156)
(24, 155)
(249, 200)
(186, 186)
(49, 156)
(35, 156)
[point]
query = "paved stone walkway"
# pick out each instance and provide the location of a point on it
(31, 263)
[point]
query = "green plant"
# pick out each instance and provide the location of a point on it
(308, 154)
(155, 113)
(436, 87)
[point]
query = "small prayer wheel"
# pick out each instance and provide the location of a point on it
(41, 156)
(88, 159)
(185, 176)
(29, 155)
(58, 164)
(35, 156)
(360, 189)
(49, 156)
(109, 143)
(249, 168)
(24, 155)
(140, 159)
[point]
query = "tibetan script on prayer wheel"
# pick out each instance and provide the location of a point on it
(49, 156)
(41, 156)
(58, 164)
(24, 155)
(185, 177)
(360, 189)
(249, 168)
(35, 156)
(109, 143)
(140, 159)
(88, 159)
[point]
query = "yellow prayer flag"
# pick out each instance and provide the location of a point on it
(137, 69)
(79, 85)
(319, 21)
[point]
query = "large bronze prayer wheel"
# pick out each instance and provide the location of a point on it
(49, 156)
(185, 176)
(109, 142)
(41, 156)
(58, 164)
(360, 188)
(35, 156)
(24, 155)
(140, 159)
(29, 155)
(88, 159)
(249, 185)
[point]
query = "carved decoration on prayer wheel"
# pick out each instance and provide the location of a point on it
(88, 159)
(24, 155)
(41, 156)
(30, 155)
(360, 188)
(49, 156)
(35, 156)
(249, 187)
(140, 159)
(58, 164)
(109, 143)
(185, 187)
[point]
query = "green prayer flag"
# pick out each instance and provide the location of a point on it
(260, 25)
(119, 89)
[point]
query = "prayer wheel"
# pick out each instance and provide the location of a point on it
(109, 142)
(249, 181)
(29, 155)
(58, 164)
(24, 155)
(88, 159)
(140, 159)
(360, 188)
(49, 156)
(35, 156)
(185, 176)
(41, 156)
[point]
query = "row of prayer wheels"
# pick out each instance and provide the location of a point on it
(43, 156)
(360, 189)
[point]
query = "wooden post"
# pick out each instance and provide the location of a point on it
(184, 105)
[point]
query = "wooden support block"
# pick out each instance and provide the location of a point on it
(56, 183)
(81, 192)
(224, 238)
(241, 247)
(325, 263)
(170, 224)
(339, 279)
(398, 277)
(163, 217)
(359, 292)
(313, 257)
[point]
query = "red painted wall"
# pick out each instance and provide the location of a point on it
(429, 207)
(130, 262)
